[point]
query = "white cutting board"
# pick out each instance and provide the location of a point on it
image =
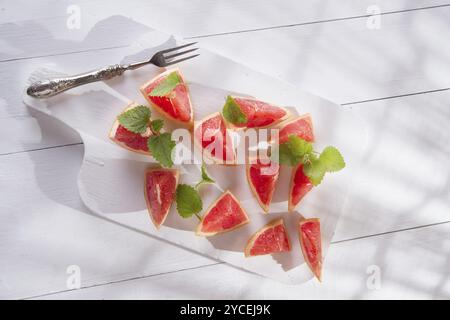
(111, 178)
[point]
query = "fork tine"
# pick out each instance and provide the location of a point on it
(179, 60)
(177, 48)
(180, 53)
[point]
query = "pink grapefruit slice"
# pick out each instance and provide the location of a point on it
(300, 185)
(301, 126)
(159, 190)
(259, 114)
(175, 105)
(127, 139)
(225, 214)
(311, 243)
(272, 238)
(212, 136)
(262, 177)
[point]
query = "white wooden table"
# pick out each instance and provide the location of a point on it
(393, 240)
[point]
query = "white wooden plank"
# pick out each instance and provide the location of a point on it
(32, 32)
(411, 265)
(345, 61)
(44, 229)
(306, 56)
(407, 189)
(404, 181)
(433, 206)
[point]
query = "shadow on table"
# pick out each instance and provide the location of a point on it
(429, 131)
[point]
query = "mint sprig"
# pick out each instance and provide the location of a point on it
(232, 112)
(298, 151)
(315, 170)
(161, 147)
(332, 159)
(206, 179)
(135, 119)
(166, 86)
(294, 151)
(189, 201)
(156, 125)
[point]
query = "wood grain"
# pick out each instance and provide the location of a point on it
(350, 272)
(322, 46)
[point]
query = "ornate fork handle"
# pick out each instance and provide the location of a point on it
(49, 88)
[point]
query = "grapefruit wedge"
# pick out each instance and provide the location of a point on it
(129, 140)
(258, 114)
(174, 104)
(212, 136)
(272, 238)
(225, 214)
(301, 126)
(300, 185)
(262, 177)
(159, 189)
(311, 243)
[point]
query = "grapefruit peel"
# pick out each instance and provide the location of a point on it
(226, 221)
(275, 232)
(169, 94)
(215, 138)
(301, 126)
(169, 179)
(139, 133)
(311, 244)
(267, 176)
(299, 186)
(125, 138)
(246, 112)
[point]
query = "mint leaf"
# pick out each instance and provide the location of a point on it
(285, 155)
(205, 178)
(188, 200)
(299, 147)
(294, 151)
(166, 86)
(232, 112)
(298, 151)
(136, 119)
(161, 147)
(156, 125)
(315, 170)
(332, 159)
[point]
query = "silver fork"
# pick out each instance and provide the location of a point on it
(52, 87)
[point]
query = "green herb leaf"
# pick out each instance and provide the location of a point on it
(284, 155)
(315, 170)
(205, 178)
(136, 119)
(233, 113)
(166, 86)
(156, 125)
(294, 151)
(332, 159)
(188, 200)
(161, 147)
(298, 151)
